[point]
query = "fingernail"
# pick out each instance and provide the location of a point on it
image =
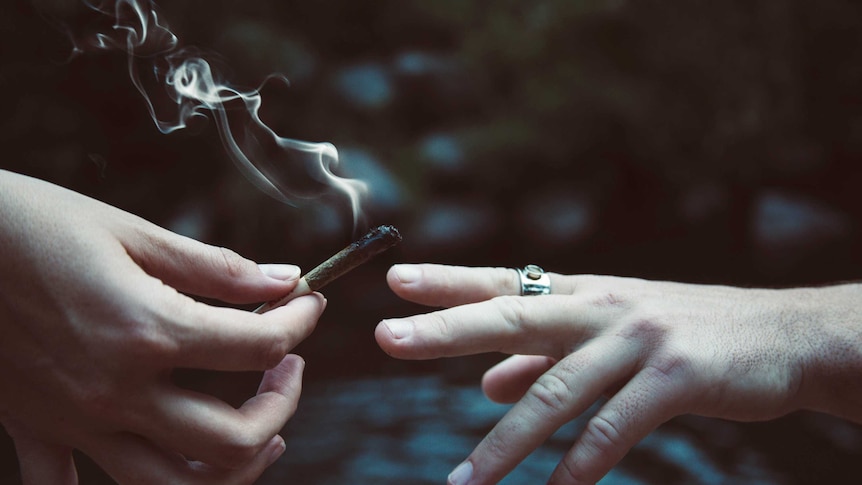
(461, 474)
(407, 273)
(399, 328)
(281, 272)
(276, 451)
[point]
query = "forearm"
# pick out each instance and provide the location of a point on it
(833, 377)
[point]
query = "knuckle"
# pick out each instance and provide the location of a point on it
(276, 349)
(552, 393)
(668, 368)
(602, 435)
(496, 444)
(99, 402)
(147, 339)
(235, 266)
(514, 313)
(443, 327)
(235, 450)
(573, 471)
(611, 299)
(650, 329)
(504, 278)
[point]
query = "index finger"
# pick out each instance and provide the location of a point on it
(449, 286)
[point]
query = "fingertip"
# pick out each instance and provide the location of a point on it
(325, 301)
(274, 449)
(292, 363)
(493, 391)
(406, 274)
(461, 475)
(285, 378)
(499, 391)
(403, 278)
(316, 299)
(394, 336)
(383, 337)
(313, 303)
(509, 380)
(280, 273)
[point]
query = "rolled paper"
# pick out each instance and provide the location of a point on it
(358, 252)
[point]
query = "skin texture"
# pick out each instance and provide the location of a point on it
(94, 317)
(654, 350)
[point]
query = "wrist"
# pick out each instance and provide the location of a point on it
(831, 331)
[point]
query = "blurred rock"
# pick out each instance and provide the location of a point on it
(786, 226)
(366, 86)
(448, 226)
(417, 63)
(556, 219)
(385, 193)
(790, 230)
(443, 154)
(442, 72)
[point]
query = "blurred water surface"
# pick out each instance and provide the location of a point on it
(417, 429)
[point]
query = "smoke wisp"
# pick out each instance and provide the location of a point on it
(286, 169)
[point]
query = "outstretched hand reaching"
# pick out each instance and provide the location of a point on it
(655, 350)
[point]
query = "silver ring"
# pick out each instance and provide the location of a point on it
(534, 280)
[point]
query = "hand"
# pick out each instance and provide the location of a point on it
(654, 349)
(92, 322)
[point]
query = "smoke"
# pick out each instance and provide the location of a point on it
(288, 170)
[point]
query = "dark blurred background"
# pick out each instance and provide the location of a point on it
(710, 142)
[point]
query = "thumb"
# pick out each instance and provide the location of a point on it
(196, 268)
(42, 463)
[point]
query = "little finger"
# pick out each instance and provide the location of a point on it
(508, 381)
(132, 460)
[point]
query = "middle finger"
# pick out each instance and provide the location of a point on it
(227, 339)
(552, 325)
